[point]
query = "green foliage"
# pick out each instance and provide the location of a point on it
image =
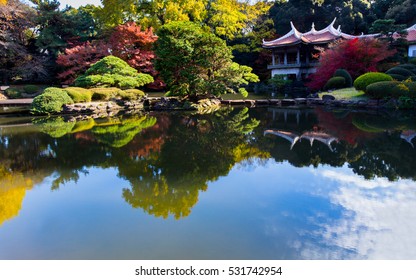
(120, 134)
(31, 89)
(112, 71)
(79, 95)
(346, 75)
(397, 77)
(13, 93)
(193, 62)
(335, 83)
(50, 101)
(131, 94)
(412, 61)
(400, 71)
(366, 79)
(392, 90)
(278, 82)
(410, 67)
(54, 127)
(104, 94)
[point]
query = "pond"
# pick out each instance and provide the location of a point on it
(265, 183)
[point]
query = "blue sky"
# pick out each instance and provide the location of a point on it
(78, 3)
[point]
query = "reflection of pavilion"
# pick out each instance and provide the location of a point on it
(288, 112)
(312, 136)
(408, 136)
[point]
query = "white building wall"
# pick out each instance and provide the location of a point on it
(412, 50)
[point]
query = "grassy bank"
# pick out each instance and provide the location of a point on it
(346, 94)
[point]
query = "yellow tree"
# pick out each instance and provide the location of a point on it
(225, 17)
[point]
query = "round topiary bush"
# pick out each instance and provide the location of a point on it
(400, 71)
(13, 93)
(344, 73)
(79, 94)
(335, 83)
(31, 89)
(410, 67)
(367, 79)
(392, 90)
(397, 77)
(50, 101)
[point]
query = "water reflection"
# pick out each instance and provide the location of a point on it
(350, 191)
(376, 223)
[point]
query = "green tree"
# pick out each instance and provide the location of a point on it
(193, 61)
(113, 71)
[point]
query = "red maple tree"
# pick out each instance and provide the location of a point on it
(357, 56)
(128, 42)
(78, 59)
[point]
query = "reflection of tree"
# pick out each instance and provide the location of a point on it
(198, 149)
(172, 160)
(13, 188)
(120, 134)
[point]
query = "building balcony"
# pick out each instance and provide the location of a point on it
(293, 65)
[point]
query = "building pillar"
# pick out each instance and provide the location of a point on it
(285, 59)
(273, 59)
(298, 57)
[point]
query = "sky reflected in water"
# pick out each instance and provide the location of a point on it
(261, 202)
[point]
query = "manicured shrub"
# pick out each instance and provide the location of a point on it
(131, 94)
(31, 89)
(400, 71)
(410, 67)
(366, 79)
(344, 73)
(397, 77)
(112, 71)
(392, 90)
(50, 101)
(104, 94)
(335, 83)
(79, 94)
(412, 61)
(13, 93)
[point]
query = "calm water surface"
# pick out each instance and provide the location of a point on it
(237, 184)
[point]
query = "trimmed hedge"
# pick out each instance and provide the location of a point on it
(363, 81)
(400, 71)
(31, 89)
(392, 90)
(344, 73)
(13, 93)
(335, 83)
(131, 94)
(50, 101)
(410, 67)
(397, 77)
(104, 94)
(79, 94)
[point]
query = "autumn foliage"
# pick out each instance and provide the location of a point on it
(78, 59)
(128, 42)
(357, 56)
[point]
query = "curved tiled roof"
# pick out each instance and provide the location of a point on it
(323, 36)
(411, 34)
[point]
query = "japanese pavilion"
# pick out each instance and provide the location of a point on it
(294, 54)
